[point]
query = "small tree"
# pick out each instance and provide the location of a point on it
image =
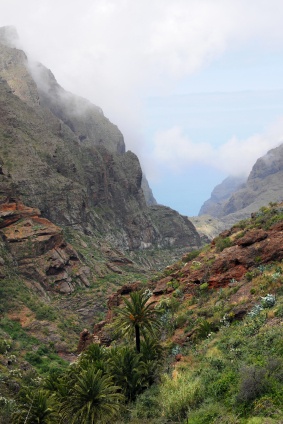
(34, 407)
(92, 399)
(137, 317)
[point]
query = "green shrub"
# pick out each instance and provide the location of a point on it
(5, 345)
(250, 275)
(204, 287)
(191, 255)
(204, 329)
(45, 312)
(279, 311)
(147, 405)
(178, 396)
(222, 243)
(180, 320)
(253, 384)
(34, 358)
(212, 414)
(268, 301)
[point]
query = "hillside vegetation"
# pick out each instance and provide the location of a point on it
(216, 355)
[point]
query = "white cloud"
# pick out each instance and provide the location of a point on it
(175, 151)
(115, 51)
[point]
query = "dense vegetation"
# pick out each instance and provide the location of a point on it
(198, 361)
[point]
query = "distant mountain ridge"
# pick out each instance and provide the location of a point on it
(220, 194)
(263, 185)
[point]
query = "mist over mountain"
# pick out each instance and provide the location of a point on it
(62, 155)
(235, 198)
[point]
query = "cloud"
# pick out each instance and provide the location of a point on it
(177, 152)
(113, 52)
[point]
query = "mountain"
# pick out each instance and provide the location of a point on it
(60, 154)
(77, 236)
(75, 223)
(220, 194)
(232, 202)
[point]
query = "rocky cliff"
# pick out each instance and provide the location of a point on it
(38, 249)
(59, 154)
(264, 185)
(220, 194)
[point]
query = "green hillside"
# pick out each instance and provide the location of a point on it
(216, 355)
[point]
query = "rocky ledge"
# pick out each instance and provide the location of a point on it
(39, 250)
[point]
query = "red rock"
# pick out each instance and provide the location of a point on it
(161, 286)
(39, 248)
(252, 236)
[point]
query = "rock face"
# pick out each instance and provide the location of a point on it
(58, 153)
(39, 250)
(207, 226)
(149, 198)
(264, 185)
(220, 194)
(247, 249)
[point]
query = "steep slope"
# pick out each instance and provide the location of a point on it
(65, 158)
(220, 194)
(207, 226)
(264, 185)
(222, 324)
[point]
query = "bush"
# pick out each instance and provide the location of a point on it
(5, 345)
(222, 243)
(204, 286)
(45, 312)
(212, 414)
(178, 396)
(147, 405)
(191, 255)
(252, 385)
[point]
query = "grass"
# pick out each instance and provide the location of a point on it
(231, 369)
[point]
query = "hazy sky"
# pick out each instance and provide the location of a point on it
(194, 85)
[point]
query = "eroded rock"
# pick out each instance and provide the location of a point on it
(39, 249)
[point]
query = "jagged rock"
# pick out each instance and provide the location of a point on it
(39, 248)
(220, 194)
(263, 185)
(252, 237)
(149, 198)
(162, 286)
(220, 268)
(85, 340)
(61, 155)
(114, 268)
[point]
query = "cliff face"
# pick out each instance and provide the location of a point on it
(38, 248)
(220, 194)
(58, 153)
(264, 185)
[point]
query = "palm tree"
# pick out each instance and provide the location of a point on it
(126, 367)
(95, 355)
(138, 317)
(93, 399)
(35, 407)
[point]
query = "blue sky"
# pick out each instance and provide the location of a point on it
(194, 85)
(210, 117)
